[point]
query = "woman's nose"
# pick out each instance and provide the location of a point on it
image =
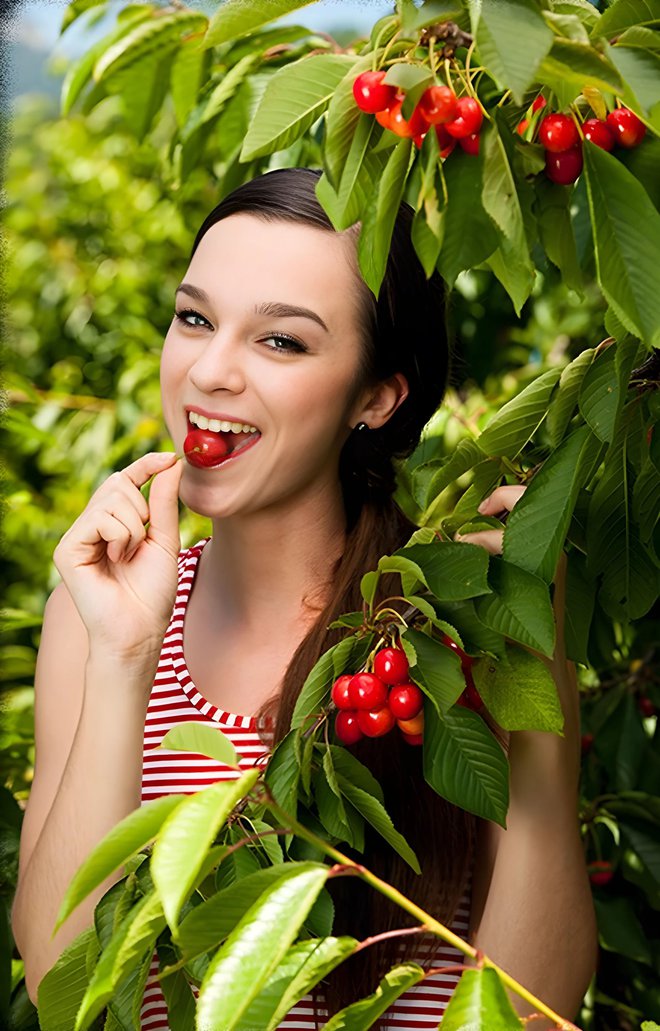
(220, 366)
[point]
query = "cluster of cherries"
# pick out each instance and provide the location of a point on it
(559, 135)
(455, 119)
(371, 704)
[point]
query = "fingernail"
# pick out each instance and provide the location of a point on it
(483, 506)
(166, 455)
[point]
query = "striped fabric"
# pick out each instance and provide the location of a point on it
(174, 700)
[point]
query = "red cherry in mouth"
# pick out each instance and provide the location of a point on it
(204, 448)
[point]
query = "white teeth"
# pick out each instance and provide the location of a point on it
(220, 425)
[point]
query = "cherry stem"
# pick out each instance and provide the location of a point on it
(400, 933)
(432, 925)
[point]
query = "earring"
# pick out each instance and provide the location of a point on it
(361, 426)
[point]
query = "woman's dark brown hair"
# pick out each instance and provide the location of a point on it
(404, 330)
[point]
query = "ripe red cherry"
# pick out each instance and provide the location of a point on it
(586, 741)
(445, 141)
(371, 94)
(413, 739)
(203, 448)
(339, 693)
(470, 697)
(558, 133)
(375, 722)
(645, 706)
(393, 120)
(600, 872)
(470, 144)
(598, 132)
(367, 691)
(539, 103)
(391, 665)
(438, 104)
(468, 120)
(628, 130)
(405, 701)
(522, 126)
(450, 643)
(347, 727)
(564, 168)
(419, 139)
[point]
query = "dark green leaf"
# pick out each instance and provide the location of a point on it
(640, 71)
(342, 119)
(437, 671)
(515, 423)
(623, 13)
(556, 230)
(565, 398)
(519, 691)
(453, 569)
(283, 773)
(349, 652)
(362, 1015)
(512, 38)
(62, 988)
(470, 236)
(571, 65)
(374, 813)
(619, 929)
(378, 221)
(464, 763)
(519, 606)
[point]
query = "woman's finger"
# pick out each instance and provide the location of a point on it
(491, 540)
(502, 498)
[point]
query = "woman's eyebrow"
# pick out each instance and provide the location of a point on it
(277, 309)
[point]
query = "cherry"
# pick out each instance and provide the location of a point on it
(371, 94)
(347, 727)
(391, 665)
(565, 167)
(539, 103)
(367, 691)
(586, 741)
(470, 698)
(339, 693)
(445, 141)
(375, 722)
(470, 144)
(414, 725)
(203, 448)
(558, 133)
(645, 706)
(438, 104)
(600, 872)
(628, 130)
(393, 120)
(405, 701)
(522, 126)
(450, 643)
(598, 132)
(413, 739)
(419, 139)
(468, 120)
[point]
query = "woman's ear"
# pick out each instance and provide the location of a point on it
(382, 401)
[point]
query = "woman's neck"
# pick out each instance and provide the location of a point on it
(263, 569)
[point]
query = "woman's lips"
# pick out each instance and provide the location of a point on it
(206, 449)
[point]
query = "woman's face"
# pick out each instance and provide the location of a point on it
(226, 361)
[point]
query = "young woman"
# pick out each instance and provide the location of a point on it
(278, 345)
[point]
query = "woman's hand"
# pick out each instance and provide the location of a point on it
(501, 500)
(122, 575)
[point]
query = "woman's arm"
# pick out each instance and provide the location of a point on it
(537, 918)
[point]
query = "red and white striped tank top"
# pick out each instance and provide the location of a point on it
(175, 699)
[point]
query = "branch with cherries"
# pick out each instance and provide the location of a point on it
(379, 698)
(459, 119)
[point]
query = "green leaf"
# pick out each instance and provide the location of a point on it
(626, 229)
(428, 221)
(646, 498)
(512, 38)
(564, 400)
(203, 739)
(363, 1014)
(75, 9)
(362, 168)
(342, 120)
(296, 95)
(570, 66)
(556, 230)
(519, 691)
(619, 929)
(470, 236)
(130, 835)
(345, 764)
(640, 71)
(235, 18)
(464, 763)
(519, 606)
(621, 743)
(480, 1000)
(213, 103)
(147, 39)
(369, 586)
(375, 814)
(466, 455)
(536, 529)
(624, 13)
(208, 924)
(437, 670)
(453, 570)
(62, 988)
(604, 387)
(188, 74)
(339, 821)
(304, 965)
(378, 221)
(255, 948)
(128, 998)
(283, 773)
(516, 422)
(349, 652)
(187, 834)
(579, 607)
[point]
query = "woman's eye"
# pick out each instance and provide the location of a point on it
(187, 313)
(290, 344)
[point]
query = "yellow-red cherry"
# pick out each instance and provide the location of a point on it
(414, 725)
(412, 739)
(371, 94)
(391, 665)
(405, 701)
(376, 722)
(393, 119)
(438, 104)
(339, 693)
(347, 727)
(367, 691)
